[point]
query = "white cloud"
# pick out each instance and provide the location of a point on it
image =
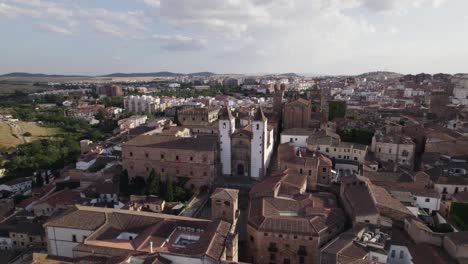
(105, 28)
(56, 29)
(178, 42)
(152, 3)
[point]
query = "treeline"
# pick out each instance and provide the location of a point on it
(167, 189)
(42, 155)
(356, 135)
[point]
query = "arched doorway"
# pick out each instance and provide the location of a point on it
(240, 169)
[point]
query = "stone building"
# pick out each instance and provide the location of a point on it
(287, 225)
(394, 148)
(124, 236)
(300, 161)
(247, 150)
(224, 206)
(297, 114)
(197, 116)
(170, 156)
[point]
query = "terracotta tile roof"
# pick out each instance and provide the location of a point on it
(65, 196)
(225, 194)
(170, 142)
(306, 214)
(459, 238)
(79, 219)
(360, 200)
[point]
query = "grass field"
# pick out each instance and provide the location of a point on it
(11, 133)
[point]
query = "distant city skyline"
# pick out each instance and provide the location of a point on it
(320, 37)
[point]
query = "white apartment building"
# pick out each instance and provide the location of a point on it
(333, 147)
(143, 104)
(296, 136)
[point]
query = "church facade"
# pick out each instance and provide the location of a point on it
(245, 151)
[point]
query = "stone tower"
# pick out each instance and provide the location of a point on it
(226, 126)
(259, 145)
(224, 205)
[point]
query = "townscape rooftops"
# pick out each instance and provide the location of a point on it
(306, 214)
(163, 231)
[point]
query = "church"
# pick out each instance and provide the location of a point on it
(246, 146)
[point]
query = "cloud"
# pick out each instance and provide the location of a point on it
(178, 42)
(152, 3)
(105, 28)
(116, 23)
(56, 29)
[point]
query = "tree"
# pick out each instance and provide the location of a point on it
(336, 109)
(39, 180)
(123, 182)
(152, 183)
(169, 195)
(138, 185)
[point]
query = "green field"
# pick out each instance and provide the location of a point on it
(11, 133)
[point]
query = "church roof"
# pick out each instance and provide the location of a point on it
(259, 116)
(225, 114)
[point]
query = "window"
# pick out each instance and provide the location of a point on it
(280, 235)
(177, 158)
(291, 140)
(427, 200)
(191, 158)
(131, 154)
(310, 172)
(380, 150)
(401, 254)
(287, 261)
(130, 238)
(162, 170)
(393, 254)
(301, 260)
(74, 238)
(258, 126)
(295, 139)
(146, 155)
(224, 125)
(300, 171)
(162, 156)
(227, 203)
(326, 150)
(84, 238)
(31, 239)
(272, 257)
(265, 234)
(251, 239)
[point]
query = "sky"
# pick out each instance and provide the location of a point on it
(94, 37)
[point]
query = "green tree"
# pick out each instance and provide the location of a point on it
(169, 194)
(39, 180)
(336, 109)
(123, 182)
(152, 183)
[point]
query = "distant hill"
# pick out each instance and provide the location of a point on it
(381, 75)
(141, 74)
(36, 75)
(202, 74)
